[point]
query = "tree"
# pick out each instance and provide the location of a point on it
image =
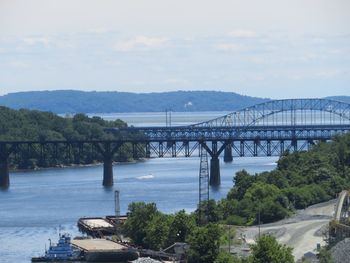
(225, 257)
(325, 256)
(140, 214)
(242, 181)
(157, 231)
(180, 227)
(268, 250)
(212, 211)
(204, 244)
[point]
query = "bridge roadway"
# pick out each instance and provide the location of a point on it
(186, 141)
(265, 129)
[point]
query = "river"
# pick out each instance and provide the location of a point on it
(39, 203)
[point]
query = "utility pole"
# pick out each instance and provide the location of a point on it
(259, 221)
(117, 210)
(168, 117)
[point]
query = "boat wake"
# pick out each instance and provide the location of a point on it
(145, 177)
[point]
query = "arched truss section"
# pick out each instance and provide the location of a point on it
(288, 112)
(342, 206)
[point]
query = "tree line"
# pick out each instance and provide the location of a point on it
(27, 125)
(299, 180)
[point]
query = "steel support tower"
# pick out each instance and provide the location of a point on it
(203, 186)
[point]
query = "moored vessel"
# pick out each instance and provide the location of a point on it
(62, 251)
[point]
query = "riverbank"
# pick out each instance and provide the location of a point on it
(62, 166)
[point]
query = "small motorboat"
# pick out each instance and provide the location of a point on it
(62, 251)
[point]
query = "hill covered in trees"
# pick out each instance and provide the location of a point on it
(36, 125)
(72, 101)
(300, 179)
(340, 98)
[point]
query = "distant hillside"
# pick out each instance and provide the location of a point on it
(340, 98)
(72, 101)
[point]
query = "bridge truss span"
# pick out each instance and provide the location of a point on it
(266, 129)
(285, 112)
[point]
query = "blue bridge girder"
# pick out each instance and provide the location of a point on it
(266, 129)
(188, 133)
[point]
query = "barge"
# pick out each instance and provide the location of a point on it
(104, 250)
(100, 226)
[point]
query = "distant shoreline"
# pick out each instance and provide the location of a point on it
(73, 166)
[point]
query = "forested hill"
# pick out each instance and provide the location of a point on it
(340, 98)
(26, 125)
(72, 101)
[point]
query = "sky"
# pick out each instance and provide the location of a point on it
(270, 48)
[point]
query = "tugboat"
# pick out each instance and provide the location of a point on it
(62, 251)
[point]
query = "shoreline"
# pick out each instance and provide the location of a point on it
(73, 166)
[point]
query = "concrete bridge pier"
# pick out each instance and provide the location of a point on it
(108, 171)
(4, 173)
(107, 150)
(228, 154)
(215, 179)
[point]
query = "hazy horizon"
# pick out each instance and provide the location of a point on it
(275, 49)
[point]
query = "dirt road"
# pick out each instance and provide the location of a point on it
(302, 231)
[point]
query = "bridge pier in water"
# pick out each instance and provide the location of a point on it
(5, 152)
(107, 150)
(4, 173)
(228, 154)
(215, 179)
(108, 171)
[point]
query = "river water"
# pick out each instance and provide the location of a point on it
(39, 203)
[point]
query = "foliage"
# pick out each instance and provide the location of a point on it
(325, 256)
(29, 125)
(139, 216)
(300, 179)
(225, 257)
(212, 212)
(204, 244)
(268, 250)
(157, 231)
(180, 227)
(148, 227)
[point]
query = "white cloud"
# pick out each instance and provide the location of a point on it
(18, 64)
(176, 81)
(98, 30)
(242, 33)
(330, 73)
(230, 47)
(31, 41)
(257, 60)
(141, 42)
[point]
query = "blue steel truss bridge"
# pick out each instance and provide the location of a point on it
(266, 129)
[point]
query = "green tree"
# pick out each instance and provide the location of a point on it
(268, 250)
(157, 231)
(225, 257)
(140, 214)
(325, 256)
(212, 211)
(204, 244)
(242, 181)
(180, 228)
